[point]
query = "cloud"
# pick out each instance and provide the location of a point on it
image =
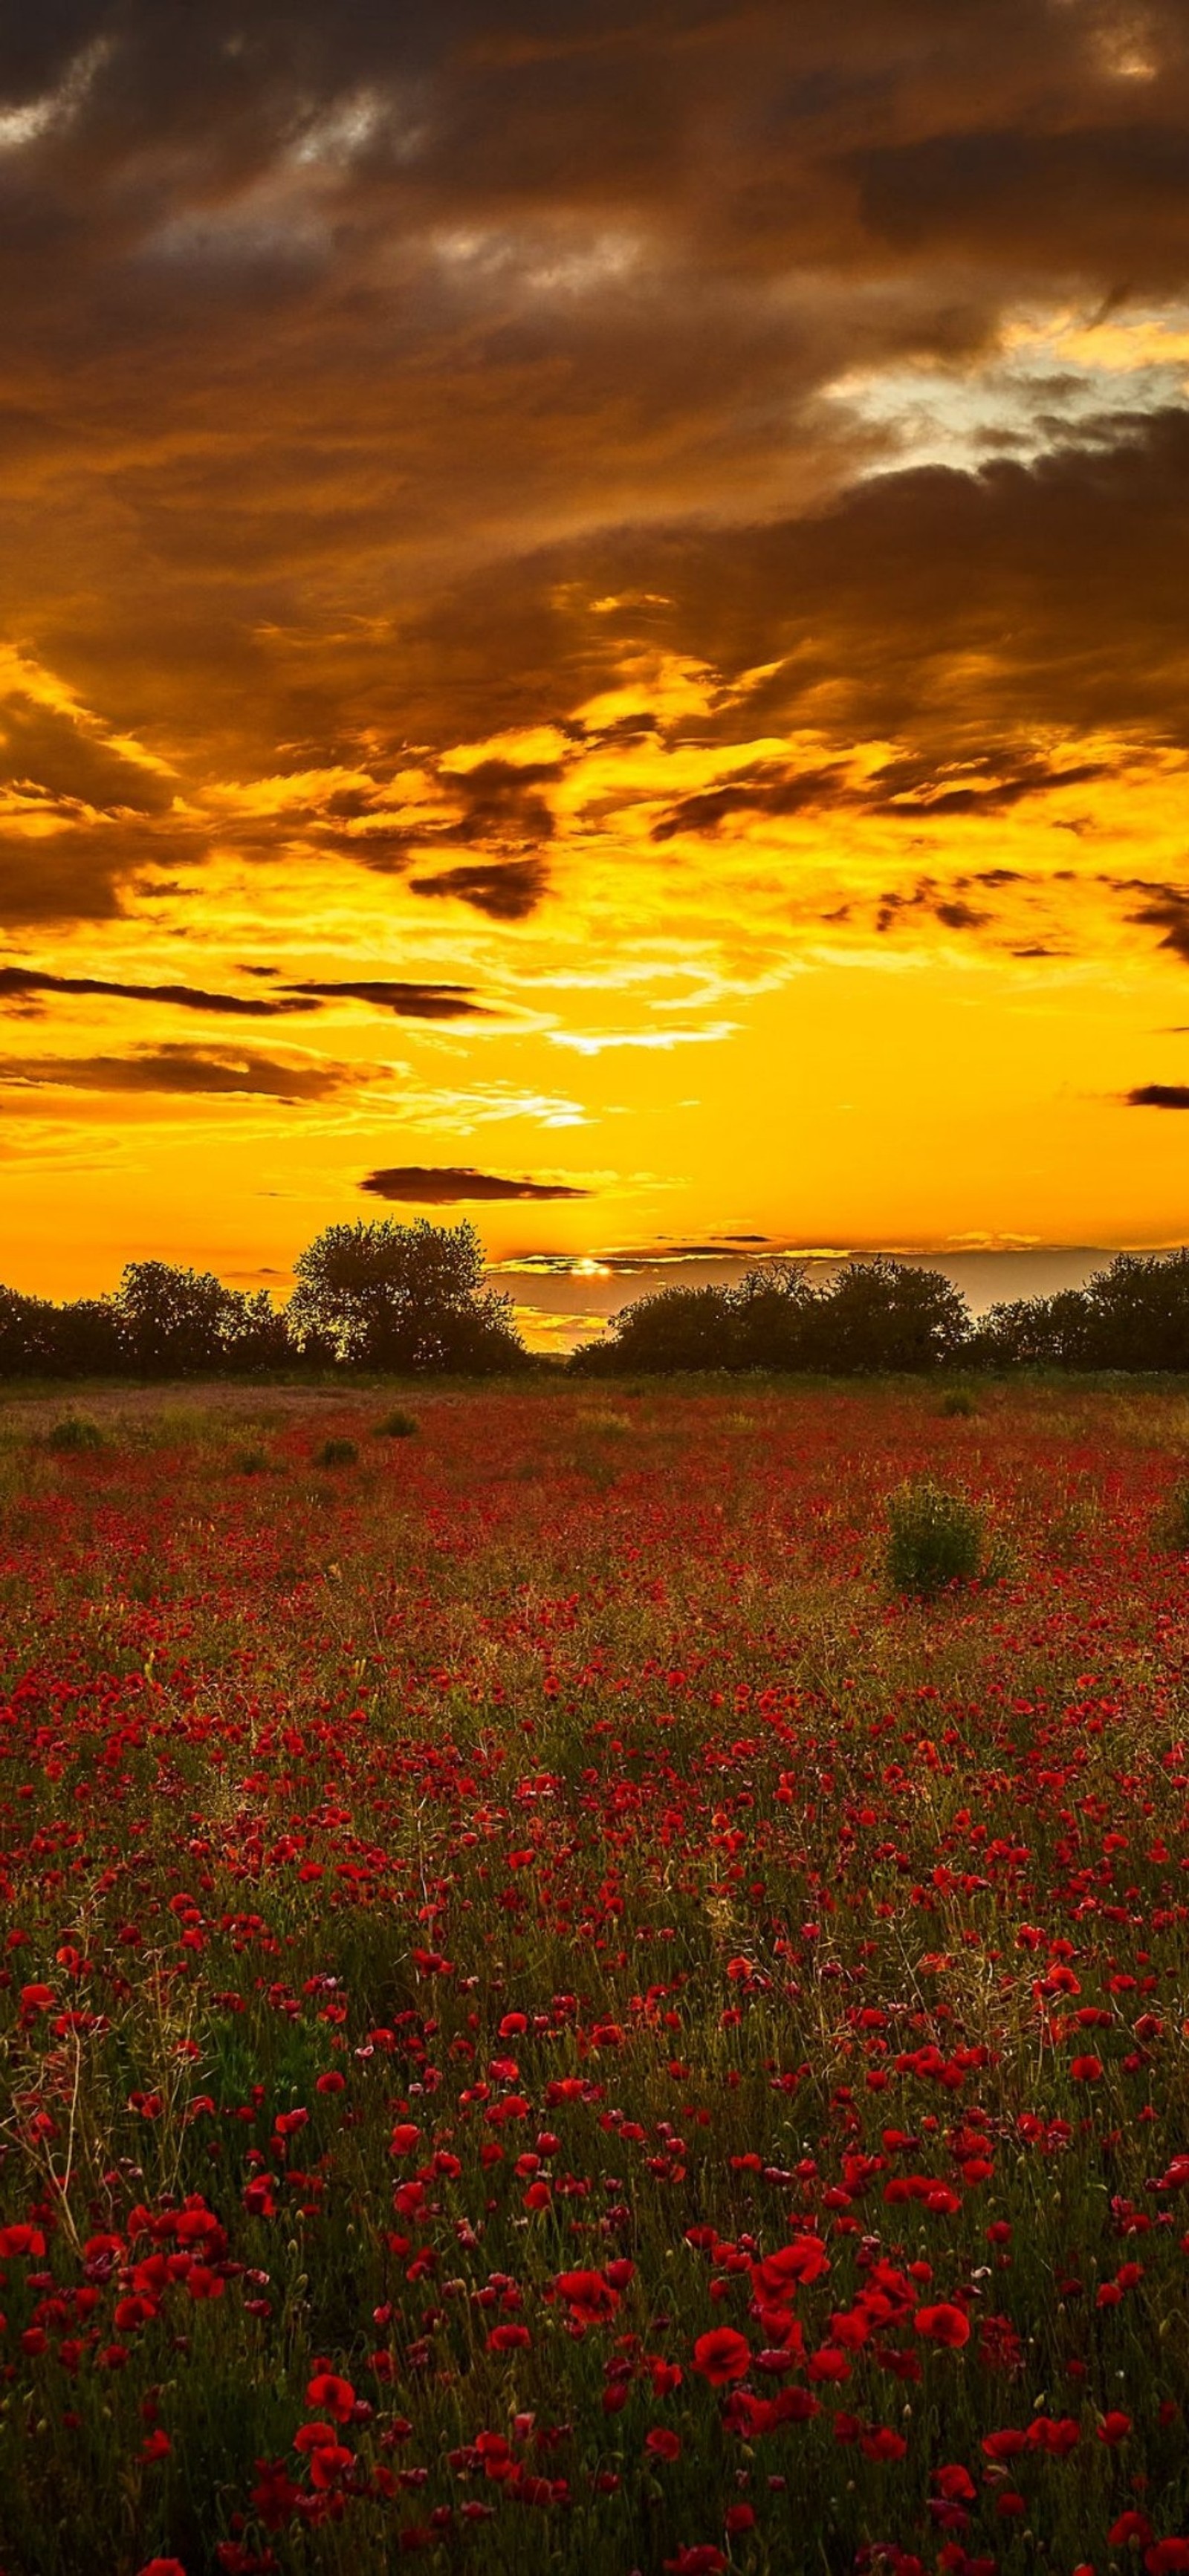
(406, 1001)
(1166, 910)
(1159, 1095)
(449, 1185)
(217, 1072)
(18, 981)
(507, 890)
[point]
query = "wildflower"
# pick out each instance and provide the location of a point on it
(944, 2324)
(589, 2296)
(335, 2396)
(722, 2355)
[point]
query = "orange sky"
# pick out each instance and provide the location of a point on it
(592, 630)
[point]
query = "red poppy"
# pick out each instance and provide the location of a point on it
(722, 2355)
(944, 2324)
(589, 2296)
(335, 2396)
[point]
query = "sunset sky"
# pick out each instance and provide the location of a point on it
(594, 632)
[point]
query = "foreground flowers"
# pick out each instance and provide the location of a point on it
(540, 2012)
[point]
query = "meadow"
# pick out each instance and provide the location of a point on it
(551, 2017)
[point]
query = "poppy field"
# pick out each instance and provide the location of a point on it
(551, 2016)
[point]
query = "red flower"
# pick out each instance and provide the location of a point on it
(722, 2355)
(662, 2444)
(509, 2339)
(1114, 2427)
(955, 2484)
(945, 2325)
(779, 2274)
(588, 2296)
(335, 2396)
(881, 2443)
(163, 2567)
(1086, 2070)
(703, 2560)
(1130, 2526)
(1167, 2557)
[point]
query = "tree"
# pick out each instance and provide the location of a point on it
(773, 1315)
(172, 1322)
(1033, 1332)
(26, 1334)
(673, 1328)
(1137, 1312)
(402, 1297)
(882, 1315)
(87, 1340)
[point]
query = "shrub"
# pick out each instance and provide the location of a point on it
(337, 1453)
(250, 1462)
(958, 1404)
(934, 1538)
(1171, 1526)
(396, 1426)
(75, 1431)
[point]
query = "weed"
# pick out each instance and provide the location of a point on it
(336, 1453)
(958, 1405)
(395, 1426)
(75, 1431)
(935, 1538)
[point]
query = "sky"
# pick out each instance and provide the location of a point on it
(593, 635)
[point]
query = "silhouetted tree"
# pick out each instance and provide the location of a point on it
(874, 1315)
(87, 1340)
(26, 1335)
(173, 1322)
(881, 1316)
(402, 1297)
(1137, 1312)
(1032, 1332)
(774, 1312)
(673, 1328)
(255, 1335)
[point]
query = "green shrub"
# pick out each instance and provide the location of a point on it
(935, 1538)
(396, 1426)
(75, 1431)
(250, 1462)
(959, 1404)
(1171, 1526)
(336, 1453)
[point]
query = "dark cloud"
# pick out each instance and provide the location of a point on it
(220, 1072)
(507, 890)
(16, 982)
(448, 1185)
(407, 1001)
(1119, 191)
(1159, 1095)
(1167, 909)
(306, 313)
(58, 757)
(351, 359)
(908, 788)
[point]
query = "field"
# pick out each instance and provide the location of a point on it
(548, 2018)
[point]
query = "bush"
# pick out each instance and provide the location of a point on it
(1171, 1526)
(957, 1405)
(337, 1453)
(395, 1426)
(75, 1431)
(250, 1462)
(935, 1538)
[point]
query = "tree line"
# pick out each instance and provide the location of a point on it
(412, 1300)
